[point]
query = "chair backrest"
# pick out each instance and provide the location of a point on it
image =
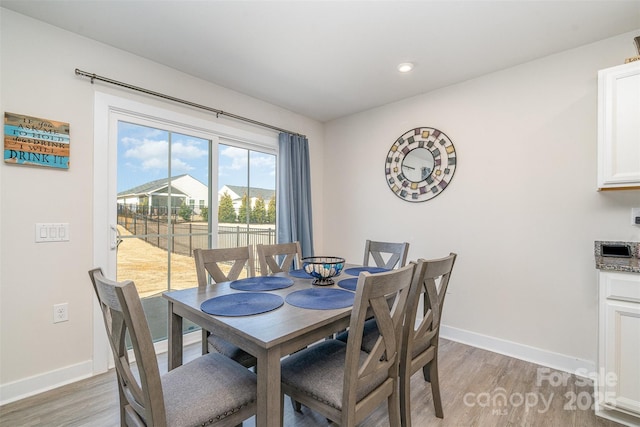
(209, 261)
(432, 277)
(279, 257)
(383, 296)
(141, 395)
(396, 254)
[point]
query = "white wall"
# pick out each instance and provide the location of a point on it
(522, 211)
(37, 72)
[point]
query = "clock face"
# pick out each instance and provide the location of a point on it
(420, 164)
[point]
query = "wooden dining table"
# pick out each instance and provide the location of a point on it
(268, 336)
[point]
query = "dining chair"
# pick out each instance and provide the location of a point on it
(420, 343)
(339, 380)
(186, 396)
(279, 257)
(396, 254)
(420, 348)
(214, 263)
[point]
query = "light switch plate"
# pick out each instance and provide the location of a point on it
(52, 232)
(635, 213)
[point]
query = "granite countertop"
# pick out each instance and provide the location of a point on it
(623, 264)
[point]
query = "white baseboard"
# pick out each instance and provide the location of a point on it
(619, 417)
(527, 353)
(27, 387)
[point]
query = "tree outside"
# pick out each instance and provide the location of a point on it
(271, 211)
(185, 212)
(244, 212)
(226, 211)
(259, 212)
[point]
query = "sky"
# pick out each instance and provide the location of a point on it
(143, 156)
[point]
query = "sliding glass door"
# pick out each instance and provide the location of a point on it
(168, 204)
(163, 200)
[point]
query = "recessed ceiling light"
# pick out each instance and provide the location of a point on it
(405, 67)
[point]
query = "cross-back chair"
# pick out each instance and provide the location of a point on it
(185, 396)
(395, 254)
(279, 257)
(215, 263)
(338, 379)
(421, 342)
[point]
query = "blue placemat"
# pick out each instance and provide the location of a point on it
(300, 274)
(321, 299)
(242, 304)
(348, 284)
(354, 271)
(261, 283)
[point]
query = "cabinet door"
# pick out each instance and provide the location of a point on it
(618, 126)
(622, 356)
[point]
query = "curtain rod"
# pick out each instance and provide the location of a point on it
(217, 112)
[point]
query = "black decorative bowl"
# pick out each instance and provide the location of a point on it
(323, 268)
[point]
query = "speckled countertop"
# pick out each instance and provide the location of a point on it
(629, 265)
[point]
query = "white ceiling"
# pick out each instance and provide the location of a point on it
(327, 59)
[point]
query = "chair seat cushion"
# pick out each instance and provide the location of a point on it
(207, 389)
(231, 351)
(369, 337)
(318, 371)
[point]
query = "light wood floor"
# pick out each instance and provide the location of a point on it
(472, 384)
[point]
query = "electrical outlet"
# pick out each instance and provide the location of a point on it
(60, 313)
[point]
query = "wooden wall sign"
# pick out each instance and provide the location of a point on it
(34, 141)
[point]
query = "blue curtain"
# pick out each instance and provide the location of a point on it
(293, 203)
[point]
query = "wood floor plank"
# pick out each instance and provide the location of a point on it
(472, 381)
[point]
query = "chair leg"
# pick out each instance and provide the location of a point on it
(205, 341)
(435, 388)
(123, 404)
(405, 398)
(393, 402)
(425, 372)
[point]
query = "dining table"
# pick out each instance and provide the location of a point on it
(269, 336)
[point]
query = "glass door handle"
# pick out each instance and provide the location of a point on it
(115, 237)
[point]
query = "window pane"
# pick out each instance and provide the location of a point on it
(246, 197)
(189, 225)
(142, 171)
(159, 173)
(233, 171)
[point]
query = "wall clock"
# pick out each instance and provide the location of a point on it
(420, 164)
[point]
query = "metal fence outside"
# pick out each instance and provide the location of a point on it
(184, 237)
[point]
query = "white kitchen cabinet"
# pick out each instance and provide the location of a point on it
(618, 377)
(619, 127)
